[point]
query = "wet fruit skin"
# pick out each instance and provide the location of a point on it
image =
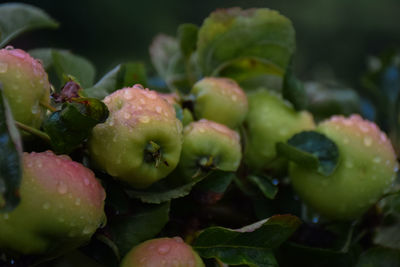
(162, 252)
(62, 205)
(125, 146)
(270, 120)
(207, 141)
(25, 85)
(220, 100)
(367, 167)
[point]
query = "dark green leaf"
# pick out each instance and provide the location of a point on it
(379, 257)
(217, 182)
(130, 230)
(17, 18)
(70, 126)
(123, 75)
(187, 36)
(251, 245)
(265, 185)
(256, 42)
(10, 158)
(163, 191)
(63, 63)
(102, 249)
(293, 90)
(311, 149)
(292, 254)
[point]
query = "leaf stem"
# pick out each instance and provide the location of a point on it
(48, 106)
(33, 131)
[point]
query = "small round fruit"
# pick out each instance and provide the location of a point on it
(220, 100)
(366, 170)
(62, 205)
(208, 145)
(140, 143)
(25, 85)
(270, 120)
(166, 252)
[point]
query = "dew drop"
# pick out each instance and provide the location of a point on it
(87, 229)
(234, 98)
(35, 109)
(367, 141)
(346, 140)
(144, 119)
(9, 47)
(86, 181)
(142, 101)
(127, 95)
(142, 260)
(61, 219)
(3, 67)
(18, 53)
(78, 201)
(163, 249)
(377, 160)
(178, 239)
(39, 165)
(127, 115)
(283, 132)
(62, 188)
(158, 109)
(46, 206)
(349, 164)
(6, 216)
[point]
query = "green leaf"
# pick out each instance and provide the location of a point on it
(17, 18)
(63, 64)
(325, 100)
(163, 191)
(311, 149)
(293, 90)
(123, 75)
(251, 245)
(187, 36)
(379, 257)
(162, 49)
(10, 158)
(178, 72)
(255, 42)
(217, 182)
(265, 185)
(71, 126)
(130, 230)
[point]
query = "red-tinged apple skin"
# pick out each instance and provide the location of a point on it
(270, 120)
(25, 85)
(120, 146)
(62, 205)
(220, 100)
(162, 252)
(366, 170)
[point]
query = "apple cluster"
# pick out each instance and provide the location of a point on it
(143, 142)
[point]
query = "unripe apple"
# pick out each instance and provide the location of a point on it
(220, 100)
(25, 85)
(366, 170)
(62, 205)
(166, 252)
(208, 145)
(140, 143)
(270, 120)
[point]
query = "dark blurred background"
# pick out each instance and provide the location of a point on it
(334, 37)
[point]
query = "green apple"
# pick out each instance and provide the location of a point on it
(270, 120)
(220, 100)
(62, 205)
(166, 252)
(140, 143)
(366, 170)
(208, 145)
(25, 85)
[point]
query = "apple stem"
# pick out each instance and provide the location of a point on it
(33, 131)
